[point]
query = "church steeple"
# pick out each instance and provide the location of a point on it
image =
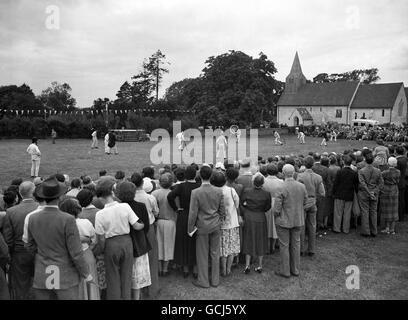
(296, 78)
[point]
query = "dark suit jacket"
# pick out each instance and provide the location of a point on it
(345, 184)
(53, 235)
(207, 209)
(141, 244)
(14, 224)
(323, 172)
(402, 164)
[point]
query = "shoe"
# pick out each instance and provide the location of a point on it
(373, 235)
(259, 270)
(247, 270)
(385, 231)
(185, 275)
(392, 232)
(199, 285)
(310, 254)
(365, 235)
(214, 285)
(195, 275)
(303, 254)
(281, 275)
(294, 274)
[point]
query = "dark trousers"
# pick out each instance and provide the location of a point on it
(53, 294)
(118, 266)
(4, 292)
(208, 244)
(21, 275)
(310, 229)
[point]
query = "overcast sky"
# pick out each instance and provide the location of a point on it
(102, 43)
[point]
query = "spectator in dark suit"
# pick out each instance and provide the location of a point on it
(22, 262)
(344, 187)
(323, 171)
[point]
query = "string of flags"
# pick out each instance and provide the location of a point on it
(82, 112)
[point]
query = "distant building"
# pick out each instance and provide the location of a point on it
(342, 102)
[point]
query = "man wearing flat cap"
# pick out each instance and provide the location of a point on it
(54, 238)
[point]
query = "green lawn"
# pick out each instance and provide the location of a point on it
(383, 261)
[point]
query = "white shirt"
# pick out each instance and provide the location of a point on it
(231, 203)
(94, 134)
(86, 229)
(25, 228)
(34, 151)
(180, 136)
(150, 203)
(114, 219)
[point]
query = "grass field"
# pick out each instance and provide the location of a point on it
(383, 262)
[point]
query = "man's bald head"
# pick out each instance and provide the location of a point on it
(26, 189)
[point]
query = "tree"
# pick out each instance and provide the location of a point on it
(242, 89)
(154, 67)
(184, 94)
(365, 76)
(99, 104)
(13, 97)
(58, 97)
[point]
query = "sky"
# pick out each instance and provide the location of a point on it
(96, 45)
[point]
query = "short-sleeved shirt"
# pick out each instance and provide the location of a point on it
(114, 219)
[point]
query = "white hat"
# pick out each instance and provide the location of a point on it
(147, 185)
(392, 162)
(220, 165)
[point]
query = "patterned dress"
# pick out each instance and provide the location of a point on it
(389, 195)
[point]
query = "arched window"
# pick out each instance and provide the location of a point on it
(355, 115)
(383, 112)
(363, 117)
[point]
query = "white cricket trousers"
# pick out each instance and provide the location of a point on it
(35, 167)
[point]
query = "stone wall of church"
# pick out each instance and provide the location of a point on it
(381, 115)
(319, 114)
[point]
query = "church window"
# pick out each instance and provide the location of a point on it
(311, 109)
(339, 113)
(383, 113)
(320, 109)
(363, 117)
(355, 115)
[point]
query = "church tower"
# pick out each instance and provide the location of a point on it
(296, 78)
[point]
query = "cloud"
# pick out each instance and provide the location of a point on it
(101, 44)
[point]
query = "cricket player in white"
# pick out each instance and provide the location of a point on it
(35, 153)
(301, 137)
(333, 136)
(221, 147)
(107, 149)
(181, 140)
(94, 139)
(277, 138)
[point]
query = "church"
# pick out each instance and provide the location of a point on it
(305, 103)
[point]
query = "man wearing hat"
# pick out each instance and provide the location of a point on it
(289, 213)
(54, 238)
(22, 262)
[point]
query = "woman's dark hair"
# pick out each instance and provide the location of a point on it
(325, 161)
(125, 191)
(190, 173)
(148, 172)
(119, 175)
(136, 179)
(102, 173)
(9, 198)
(75, 183)
(71, 206)
(17, 182)
(91, 187)
(34, 140)
(263, 170)
(85, 197)
(180, 174)
(218, 179)
(369, 158)
(232, 174)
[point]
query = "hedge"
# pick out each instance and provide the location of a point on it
(79, 126)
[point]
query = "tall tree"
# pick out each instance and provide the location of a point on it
(241, 88)
(155, 67)
(366, 76)
(58, 97)
(13, 97)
